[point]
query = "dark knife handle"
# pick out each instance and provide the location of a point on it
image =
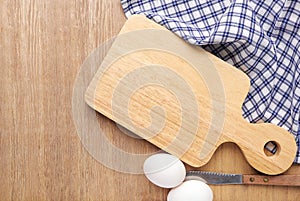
(280, 180)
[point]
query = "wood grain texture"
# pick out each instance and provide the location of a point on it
(42, 46)
(149, 67)
(280, 180)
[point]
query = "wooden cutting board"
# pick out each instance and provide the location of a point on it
(181, 98)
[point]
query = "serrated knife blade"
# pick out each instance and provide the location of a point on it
(223, 178)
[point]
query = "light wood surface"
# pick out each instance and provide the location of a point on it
(43, 44)
(141, 71)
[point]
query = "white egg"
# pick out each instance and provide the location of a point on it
(164, 170)
(191, 190)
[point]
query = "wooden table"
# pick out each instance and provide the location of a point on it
(43, 44)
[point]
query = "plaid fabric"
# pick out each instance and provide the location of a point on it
(259, 37)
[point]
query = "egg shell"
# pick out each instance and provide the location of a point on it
(164, 170)
(191, 190)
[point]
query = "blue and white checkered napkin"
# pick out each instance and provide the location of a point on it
(259, 37)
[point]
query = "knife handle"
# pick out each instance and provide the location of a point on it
(280, 180)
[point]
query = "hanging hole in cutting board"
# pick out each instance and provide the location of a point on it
(271, 148)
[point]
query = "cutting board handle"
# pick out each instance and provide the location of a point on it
(246, 135)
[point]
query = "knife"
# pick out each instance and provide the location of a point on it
(221, 178)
